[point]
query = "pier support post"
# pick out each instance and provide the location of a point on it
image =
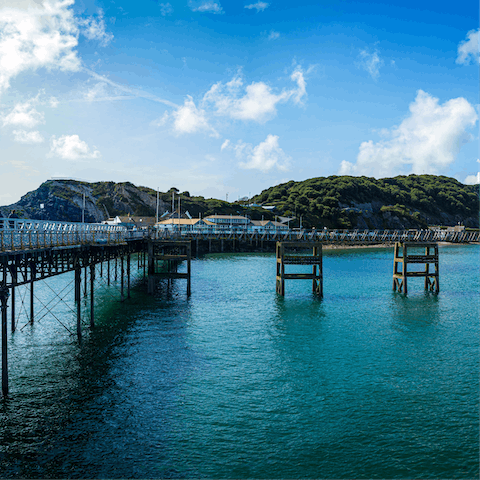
(122, 274)
(12, 308)
(402, 258)
(78, 284)
(189, 257)
(108, 272)
(13, 273)
(315, 260)
(144, 265)
(280, 270)
(3, 306)
(128, 275)
(31, 302)
(85, 283)
(92, 297)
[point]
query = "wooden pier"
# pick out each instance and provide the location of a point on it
(285, 256)
(403, 258)
(163, 260)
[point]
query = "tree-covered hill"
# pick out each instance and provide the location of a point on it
(411, 201)
(63, 201)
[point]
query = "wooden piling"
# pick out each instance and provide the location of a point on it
(78, 283)
(128, 275)
(286, 258)
(402, 258)
(122, 274)
(3, 307)
(92, 297)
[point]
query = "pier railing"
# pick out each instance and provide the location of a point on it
(331, 236)
(26, 234)
(22, 234)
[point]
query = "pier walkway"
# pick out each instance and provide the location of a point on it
(33, 250)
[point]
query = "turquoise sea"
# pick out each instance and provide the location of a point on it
(237, 382)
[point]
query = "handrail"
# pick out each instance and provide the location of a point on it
(23, 234)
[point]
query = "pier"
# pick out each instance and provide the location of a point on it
(32, 250)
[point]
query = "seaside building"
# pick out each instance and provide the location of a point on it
(131, 222)
(221, 223)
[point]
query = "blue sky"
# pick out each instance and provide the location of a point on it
(220, 98)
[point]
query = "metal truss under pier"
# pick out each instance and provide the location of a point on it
(22, 267)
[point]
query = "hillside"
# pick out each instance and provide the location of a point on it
(63, 201)
(413, 201)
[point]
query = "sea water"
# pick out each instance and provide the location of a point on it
(238, 382)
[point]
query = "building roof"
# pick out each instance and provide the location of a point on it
(180, 221)
(227, 216)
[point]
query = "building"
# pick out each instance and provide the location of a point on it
(131, 222)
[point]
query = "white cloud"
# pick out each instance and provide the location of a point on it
(23, 136)
(161, 121)
(209, 6)
(371, 62)
(53, 102)
(35, 35)
(70, 147)
(259, 6)
(225, 145)
(25, 115)
(256, 101)
(468, 49)
(427, 141)
(94, 29)
(165, 9)
(190, 119)
(273, 35)
(264, 156)
(472, 179)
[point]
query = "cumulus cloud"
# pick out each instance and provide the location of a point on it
(273, 35)
(209, 6)
(472, 179)
(165, 9)
(256, 102)
(37, 35)
(225, 145)
(70, 147)
(468, 49)
(370, 62)
(190, 119)
(427, 141)
(94, 29)
(259, 6)
(264, 156)
(25, 115)
(22, 136)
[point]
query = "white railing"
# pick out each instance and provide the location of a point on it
(334, 236)
(24, 234)
(27, 234)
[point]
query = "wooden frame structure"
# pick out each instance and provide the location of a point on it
(287, 258)
(163, 260)
(403, 258)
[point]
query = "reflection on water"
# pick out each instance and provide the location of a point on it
(238, 382)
